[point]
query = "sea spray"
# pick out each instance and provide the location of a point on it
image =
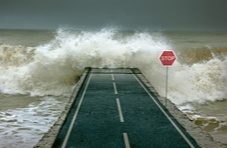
(45, 74)
(53, 68)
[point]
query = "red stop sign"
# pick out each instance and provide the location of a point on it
(167, 57)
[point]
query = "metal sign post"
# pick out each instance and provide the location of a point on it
(167, 58)
(166, 94)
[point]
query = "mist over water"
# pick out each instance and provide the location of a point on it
(52, 68)
(199, 75)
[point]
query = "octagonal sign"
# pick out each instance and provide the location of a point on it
(167, 58)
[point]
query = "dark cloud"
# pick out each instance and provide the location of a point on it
(132, 14)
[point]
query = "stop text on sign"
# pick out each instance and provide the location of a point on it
(167, 57)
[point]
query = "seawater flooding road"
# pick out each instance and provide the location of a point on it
(114, 109)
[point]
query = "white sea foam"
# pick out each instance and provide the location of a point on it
(53, 68)
(23, 127)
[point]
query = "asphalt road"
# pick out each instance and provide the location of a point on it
(114, 109)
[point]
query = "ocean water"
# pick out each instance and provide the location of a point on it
(38, 69)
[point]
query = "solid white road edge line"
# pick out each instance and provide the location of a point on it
(75, 115)
(167, 116)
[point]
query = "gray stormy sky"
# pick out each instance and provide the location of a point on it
(126, 14)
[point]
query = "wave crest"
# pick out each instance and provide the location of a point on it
(53, 68)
